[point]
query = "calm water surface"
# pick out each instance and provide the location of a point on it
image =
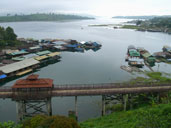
(102, 66)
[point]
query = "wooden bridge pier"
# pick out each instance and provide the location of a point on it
(103, 105)
(76, 108)
(29, 108)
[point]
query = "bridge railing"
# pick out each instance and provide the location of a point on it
(5, 89)
(106, 86)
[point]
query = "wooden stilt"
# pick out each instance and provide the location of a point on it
(49, 106)
(103, 105)
(125, 99)
(76, 110)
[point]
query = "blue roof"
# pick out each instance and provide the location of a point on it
(95, 44)
(3, 76)
(72, 46)
(79, 49)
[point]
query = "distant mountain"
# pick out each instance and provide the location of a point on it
(42, 17)
(140, 17)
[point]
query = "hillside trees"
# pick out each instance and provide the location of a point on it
(7, 36)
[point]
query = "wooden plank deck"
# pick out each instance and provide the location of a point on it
(88, 90)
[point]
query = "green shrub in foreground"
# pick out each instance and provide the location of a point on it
(42, 121)
(158, 116)
(10, 124)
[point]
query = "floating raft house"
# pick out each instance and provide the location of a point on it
(166, 48)
(43, 53)
(22, 52)
(14, 68)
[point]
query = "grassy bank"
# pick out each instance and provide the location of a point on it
(152, 77)
(157, 116)
(130, 27)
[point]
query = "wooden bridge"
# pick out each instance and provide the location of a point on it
(85, 90)
(35, 99)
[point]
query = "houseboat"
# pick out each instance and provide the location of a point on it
(133, 57)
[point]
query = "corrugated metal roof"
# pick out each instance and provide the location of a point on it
(43, 53)
(54, 54)
(18, 58)
(134, 53)
(41, 57)
(24, 72)
(36, 47)
(146, 55)
(18, 53)
(30, 56)
(18, 65)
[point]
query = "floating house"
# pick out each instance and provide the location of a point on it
(74, 47)
(18, 53)
(48, 57)
(20, 68)
(167, 49)
(43, 53)
(34, 49)
(165, 55)
(8, 51)
(58, 43)
(91, 45)
(136, 62)
(133, 57)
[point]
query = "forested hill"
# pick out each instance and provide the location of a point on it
(42, 17)
(140, 17)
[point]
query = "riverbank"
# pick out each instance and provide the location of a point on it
(157, 116)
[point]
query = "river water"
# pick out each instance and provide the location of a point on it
(102, 66)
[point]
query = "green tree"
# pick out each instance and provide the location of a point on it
(2, 33)
(10, 35)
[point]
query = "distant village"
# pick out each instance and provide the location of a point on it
(33, 54)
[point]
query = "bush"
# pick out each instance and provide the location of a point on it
(10, 124)
(42, 121)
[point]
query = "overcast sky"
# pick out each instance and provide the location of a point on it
(93, 7)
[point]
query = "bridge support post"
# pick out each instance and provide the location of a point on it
(125, 99)
(29, 108)
(20, 109)
(103, 105)
(49, 107)
(76, 109)
(130, 100)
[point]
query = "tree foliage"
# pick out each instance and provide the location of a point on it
(42, 17)
(7, 37)
(42, 121)
(10, 124)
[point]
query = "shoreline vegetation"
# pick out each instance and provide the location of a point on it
(42, 17)
(156, 24)
(140, 17)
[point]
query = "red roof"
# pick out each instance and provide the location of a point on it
(33, 81)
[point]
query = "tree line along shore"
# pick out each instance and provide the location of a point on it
(42, 17)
